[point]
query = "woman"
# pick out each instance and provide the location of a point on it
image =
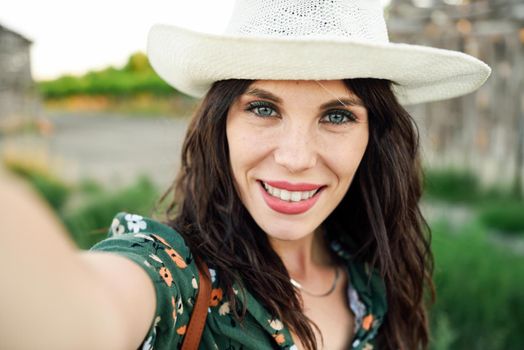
(299, 188)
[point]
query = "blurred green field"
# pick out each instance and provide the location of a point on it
(132, 89)
(480, 289)
(498, 208)
(134, 78)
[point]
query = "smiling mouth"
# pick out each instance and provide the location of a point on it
(289, 196)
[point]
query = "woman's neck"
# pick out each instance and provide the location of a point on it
(305, 257)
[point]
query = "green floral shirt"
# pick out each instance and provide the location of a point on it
(163, 254)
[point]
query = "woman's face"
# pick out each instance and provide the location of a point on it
(294, 147)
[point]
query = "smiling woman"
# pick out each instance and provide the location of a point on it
(287, 140)
(306, 179)
(298, 195)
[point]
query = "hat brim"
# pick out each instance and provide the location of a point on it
(191, 61)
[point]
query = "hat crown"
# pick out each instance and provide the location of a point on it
(345, 19)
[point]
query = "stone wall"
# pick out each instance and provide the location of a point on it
(18, 96)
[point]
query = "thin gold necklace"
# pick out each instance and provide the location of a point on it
(325, 294)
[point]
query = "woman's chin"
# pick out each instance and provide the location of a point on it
(282, 233)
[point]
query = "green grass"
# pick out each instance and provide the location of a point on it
(134, 78)
(451, 185)
(504, 216)
(462, 186)
(480, 291)
(498, 208)
(134, 89)
(89, 222)
(108, 82)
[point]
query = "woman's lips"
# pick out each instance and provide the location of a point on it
(290, 207)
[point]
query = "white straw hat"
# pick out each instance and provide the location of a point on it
(310, 40)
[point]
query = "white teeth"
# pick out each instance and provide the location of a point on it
(285, 195)
(296, 196)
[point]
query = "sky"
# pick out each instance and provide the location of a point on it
(72, 37)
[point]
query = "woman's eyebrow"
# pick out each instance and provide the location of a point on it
(342, 102)
(336, 103)
(264, 95)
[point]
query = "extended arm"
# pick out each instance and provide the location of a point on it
(54, 296)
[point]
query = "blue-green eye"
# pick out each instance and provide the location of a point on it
(338, 117)
(262, 109)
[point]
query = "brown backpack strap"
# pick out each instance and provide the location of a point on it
(199, 314)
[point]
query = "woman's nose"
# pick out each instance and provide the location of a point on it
(296, 149)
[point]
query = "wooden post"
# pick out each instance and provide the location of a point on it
(519, 114)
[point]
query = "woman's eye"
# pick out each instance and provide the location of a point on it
(338, 117)
(262, 109)
(265, 111)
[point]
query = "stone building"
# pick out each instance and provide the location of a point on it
(18, 95)
(483, 131)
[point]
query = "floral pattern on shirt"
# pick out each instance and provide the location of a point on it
(163, 254)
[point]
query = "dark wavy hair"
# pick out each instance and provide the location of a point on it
(380, 212)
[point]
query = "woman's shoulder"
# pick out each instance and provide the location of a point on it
(162, 252)
(127, 224)
(154, 242)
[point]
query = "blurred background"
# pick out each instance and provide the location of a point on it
(84, 118)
